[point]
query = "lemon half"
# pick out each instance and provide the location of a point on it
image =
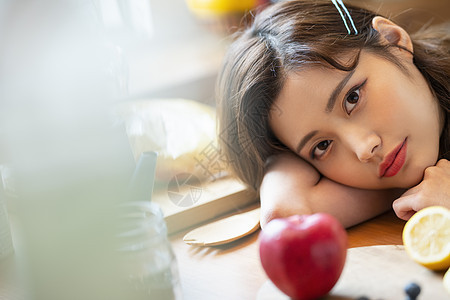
(426, 237)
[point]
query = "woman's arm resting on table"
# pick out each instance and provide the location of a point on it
(292, 186)
(434, 189)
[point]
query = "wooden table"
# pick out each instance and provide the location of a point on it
(234, 271)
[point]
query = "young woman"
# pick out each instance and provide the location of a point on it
(330, 108)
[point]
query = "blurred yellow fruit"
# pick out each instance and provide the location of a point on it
(220, 7)
(426, 237)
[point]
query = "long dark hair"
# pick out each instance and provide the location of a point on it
(290, 35)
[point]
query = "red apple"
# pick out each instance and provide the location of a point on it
(303, 255)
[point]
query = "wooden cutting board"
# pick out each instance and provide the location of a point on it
(377, 272)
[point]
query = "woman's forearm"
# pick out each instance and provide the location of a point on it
(292, 186)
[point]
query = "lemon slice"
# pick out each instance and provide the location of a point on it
(447, 281)
(426, 237)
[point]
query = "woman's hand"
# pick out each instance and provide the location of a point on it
(433, 190)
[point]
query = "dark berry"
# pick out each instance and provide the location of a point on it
(412, 290)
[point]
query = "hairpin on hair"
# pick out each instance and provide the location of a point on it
(339, 2)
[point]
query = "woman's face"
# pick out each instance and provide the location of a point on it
(375, 127)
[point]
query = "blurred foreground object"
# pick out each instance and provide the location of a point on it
(146, 255)
(223, 16)
(6, 244)
(59, 79)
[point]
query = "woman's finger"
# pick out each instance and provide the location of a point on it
(404, 207)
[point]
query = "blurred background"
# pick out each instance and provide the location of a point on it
(201, 34)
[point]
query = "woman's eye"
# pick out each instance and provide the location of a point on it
(353, 97)
(351, 101)
(321, 148)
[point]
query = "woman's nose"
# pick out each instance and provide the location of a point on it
(364, 144)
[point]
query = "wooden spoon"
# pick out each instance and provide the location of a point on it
(225, 230)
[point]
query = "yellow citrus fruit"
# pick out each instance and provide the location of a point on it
(426, 237)
(447, 281)
(218, 7)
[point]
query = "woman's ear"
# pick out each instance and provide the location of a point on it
(392, 33)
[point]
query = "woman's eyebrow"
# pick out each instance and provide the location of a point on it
(337, 91)
(304, 140)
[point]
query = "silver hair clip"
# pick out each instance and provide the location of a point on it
(339, 2)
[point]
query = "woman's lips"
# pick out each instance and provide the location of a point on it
(394, 161)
